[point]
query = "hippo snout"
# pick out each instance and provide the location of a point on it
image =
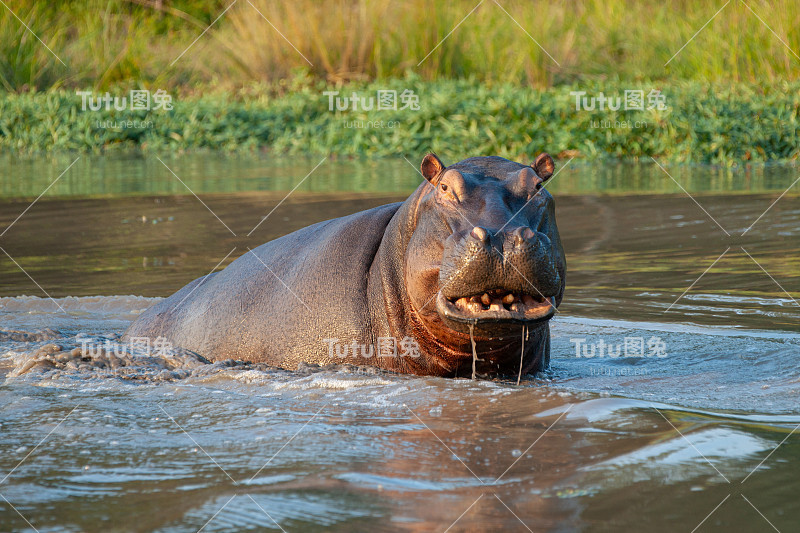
(517, 261)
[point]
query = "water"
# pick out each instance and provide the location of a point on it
(703, 423)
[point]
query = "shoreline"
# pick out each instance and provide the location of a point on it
(679, 122)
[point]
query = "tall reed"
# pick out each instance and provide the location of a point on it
(532, 42)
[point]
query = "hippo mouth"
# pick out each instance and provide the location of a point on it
(496, 306)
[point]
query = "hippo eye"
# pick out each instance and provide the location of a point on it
(536, 188)
(444, 187)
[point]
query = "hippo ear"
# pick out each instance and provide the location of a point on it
(544, 166)
(431, 167)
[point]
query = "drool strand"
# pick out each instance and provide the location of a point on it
(522, 354)
(474, 353)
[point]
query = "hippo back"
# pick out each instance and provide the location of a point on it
(271, 305)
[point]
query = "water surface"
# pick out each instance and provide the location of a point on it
(596, 444)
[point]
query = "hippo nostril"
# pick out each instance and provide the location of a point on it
(522, 235)
(480, 234)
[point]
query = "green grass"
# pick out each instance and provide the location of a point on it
(495, 82)
(716, 123)
(106, 43)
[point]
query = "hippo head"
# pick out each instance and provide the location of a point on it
(485, 259)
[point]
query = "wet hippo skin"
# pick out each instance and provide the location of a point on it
(472, 255)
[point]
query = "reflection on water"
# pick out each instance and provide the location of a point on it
(600, 444)
(209, 173)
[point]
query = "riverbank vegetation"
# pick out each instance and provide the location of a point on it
(496, 77)
(699, 122)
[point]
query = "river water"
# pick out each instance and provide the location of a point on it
(693, 430)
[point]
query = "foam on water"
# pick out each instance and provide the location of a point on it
(710, 367)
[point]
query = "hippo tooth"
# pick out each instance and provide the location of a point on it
(461, 303)
(508, 298)
(497, 305)
(475, 307)
(486, 299)
(518, 307)
(475, 299)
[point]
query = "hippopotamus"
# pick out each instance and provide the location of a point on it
(462, 277)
